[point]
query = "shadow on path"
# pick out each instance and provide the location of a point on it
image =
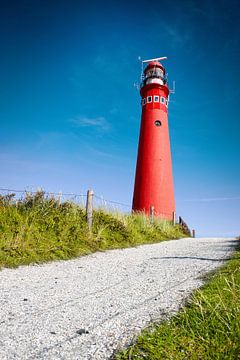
(189, 257)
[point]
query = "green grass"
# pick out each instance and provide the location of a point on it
(207, 328)
(38, 229)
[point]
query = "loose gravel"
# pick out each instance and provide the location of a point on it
(89, 307)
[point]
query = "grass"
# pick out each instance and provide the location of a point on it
(38, 228)
(207, 328)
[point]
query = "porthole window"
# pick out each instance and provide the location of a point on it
(156, 98)
(158, 123)
(144, 101)
(162, 100)
(149, 99)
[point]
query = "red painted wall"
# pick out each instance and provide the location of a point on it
(154, 181)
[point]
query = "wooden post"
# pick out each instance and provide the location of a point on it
(89, 208)
(60, 197)
(174, 218)
(193, 233)
(151, 214)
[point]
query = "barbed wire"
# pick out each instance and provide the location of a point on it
(45, 192)
(105, 203)
(59, 194)
(111, 201)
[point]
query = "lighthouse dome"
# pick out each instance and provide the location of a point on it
(154, 65)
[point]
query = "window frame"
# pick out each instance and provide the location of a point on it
(154, 98)
(162, 100)
(150, 101)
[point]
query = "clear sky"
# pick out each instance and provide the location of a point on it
(70, 114)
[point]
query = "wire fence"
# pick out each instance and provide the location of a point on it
(99, 201)
(60, 196)
(80, 199)
(90, 201)
(102, 203)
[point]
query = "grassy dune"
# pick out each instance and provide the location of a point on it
(38, 229)
(208, 328)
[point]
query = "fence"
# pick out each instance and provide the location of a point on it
(91, 201)
(185, 227)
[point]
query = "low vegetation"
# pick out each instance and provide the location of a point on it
(39, 228)
(208, 328)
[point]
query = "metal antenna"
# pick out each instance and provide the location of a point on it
(141, 77)
(156, 59)
(136, 85)
(174, 88)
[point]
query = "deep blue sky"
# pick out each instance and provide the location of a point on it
(70, 115)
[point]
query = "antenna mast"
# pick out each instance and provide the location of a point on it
(172, 91)
(155, 59)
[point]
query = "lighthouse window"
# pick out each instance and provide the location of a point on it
(156, 98)
(149, 99)
(158, 123)
(166, 102)
(162, 100)
(144, 101)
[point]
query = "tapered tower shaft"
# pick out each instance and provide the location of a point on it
(153, 180)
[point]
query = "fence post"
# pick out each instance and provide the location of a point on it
(89, 208)
(193, 233)
(151, 214)
(174, 218)
(60, 197)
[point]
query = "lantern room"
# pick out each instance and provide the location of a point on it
(154, 74)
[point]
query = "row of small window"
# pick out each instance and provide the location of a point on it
(155, 99)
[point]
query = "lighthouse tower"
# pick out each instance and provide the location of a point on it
(154, 181)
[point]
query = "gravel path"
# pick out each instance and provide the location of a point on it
(88, 307)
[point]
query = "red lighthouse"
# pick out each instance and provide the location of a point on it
(154, 181)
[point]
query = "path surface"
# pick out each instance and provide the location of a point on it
(88, 307)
